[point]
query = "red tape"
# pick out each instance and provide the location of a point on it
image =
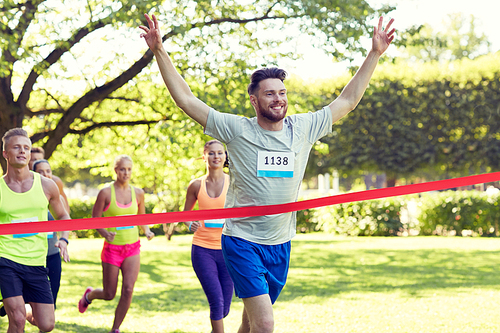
(172, 217)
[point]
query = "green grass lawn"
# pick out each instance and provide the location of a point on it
(420, 284)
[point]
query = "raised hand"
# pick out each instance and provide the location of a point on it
(381, 38)
(152, 34)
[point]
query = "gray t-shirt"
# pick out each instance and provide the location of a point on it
(262, 171)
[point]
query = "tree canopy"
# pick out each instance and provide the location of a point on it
(460, 39)
(77, 76)
(433, 118)
(71, 67)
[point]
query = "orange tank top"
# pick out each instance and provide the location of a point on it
(209, 234)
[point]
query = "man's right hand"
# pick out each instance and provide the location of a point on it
(152, 34)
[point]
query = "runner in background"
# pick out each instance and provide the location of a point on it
(121, 249)
(53, 263)
(206, 254)
(38, 153)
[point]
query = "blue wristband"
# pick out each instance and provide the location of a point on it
(190, 226)
(64, 239)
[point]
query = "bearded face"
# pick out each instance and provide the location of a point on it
(270, 102)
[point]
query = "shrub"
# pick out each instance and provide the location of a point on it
(365, 218)
(454, 211)
(306, 221)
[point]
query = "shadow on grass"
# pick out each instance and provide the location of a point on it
(71, 327)
(329, 271)
(172, 300)
(176, 287)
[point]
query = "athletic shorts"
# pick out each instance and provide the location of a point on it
(256, 269)
(115, 254)
(31, 282)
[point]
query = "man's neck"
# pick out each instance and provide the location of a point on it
(270, 125)
(19, 180)
(17, 174)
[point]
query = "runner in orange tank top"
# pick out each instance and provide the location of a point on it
(206, 254)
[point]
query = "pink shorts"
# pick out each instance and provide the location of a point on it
(115, 254)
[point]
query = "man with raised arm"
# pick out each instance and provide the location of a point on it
(25, 196)
(268, 157)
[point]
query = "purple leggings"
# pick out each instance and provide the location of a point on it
(211, 270)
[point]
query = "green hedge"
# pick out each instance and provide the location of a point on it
(364, 218)
(306, 221)
(453, 211)
(444, 213)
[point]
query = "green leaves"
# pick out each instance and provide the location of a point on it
(460, 40)
(414, 120)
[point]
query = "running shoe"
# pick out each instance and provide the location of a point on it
(115, 331)
(83, 304)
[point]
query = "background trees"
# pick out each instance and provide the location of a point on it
(429, 119)
(76, 75)
(460, 39)
(70, 67)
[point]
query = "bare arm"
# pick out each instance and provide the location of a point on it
(191, 198)
(142, 210)
(60, 186)
(57, 208)
(179, 89)
(103, 198)
(354, 90)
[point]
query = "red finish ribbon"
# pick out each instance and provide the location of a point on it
(172, 217)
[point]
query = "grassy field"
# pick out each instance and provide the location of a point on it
(420, 284)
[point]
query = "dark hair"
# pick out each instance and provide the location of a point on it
(263, 74)
(39, 162)
(38, 150)
(11, 133)
(226, 163)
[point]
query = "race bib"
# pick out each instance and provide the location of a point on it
(128, 227)
(29, 219)
(216, 223)
(275, 164)
(123, 228)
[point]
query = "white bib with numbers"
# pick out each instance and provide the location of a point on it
(29, 219)
(275, 164)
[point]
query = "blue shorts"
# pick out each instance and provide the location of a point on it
(31, 282)
(254, 268)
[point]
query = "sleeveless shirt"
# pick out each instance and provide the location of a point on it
(209, 233)
(30, 206)
(124, 235)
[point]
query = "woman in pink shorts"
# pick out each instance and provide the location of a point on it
(121, 246)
